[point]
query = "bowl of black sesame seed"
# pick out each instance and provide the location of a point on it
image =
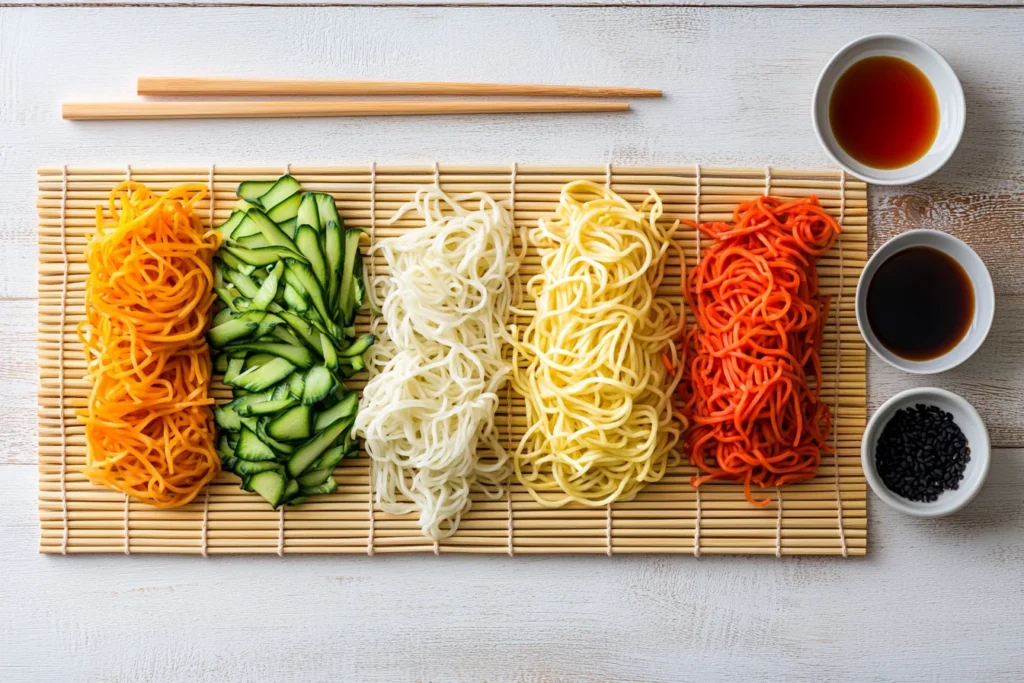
(925, 452)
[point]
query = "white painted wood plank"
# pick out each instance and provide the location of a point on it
(940, 600)
(935, 600)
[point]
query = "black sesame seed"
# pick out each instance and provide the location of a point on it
(921, 453)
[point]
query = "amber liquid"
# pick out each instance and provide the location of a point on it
(920, 303)
(884, 113)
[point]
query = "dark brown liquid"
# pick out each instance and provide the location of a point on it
(920, 303)
(883, 111)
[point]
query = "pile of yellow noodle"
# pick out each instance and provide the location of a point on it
(149, 427)
(589, 366)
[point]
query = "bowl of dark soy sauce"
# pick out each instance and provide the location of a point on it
(926, 452)
(925, 302)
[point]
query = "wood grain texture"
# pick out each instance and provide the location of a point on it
(935, 600)
(991, 222)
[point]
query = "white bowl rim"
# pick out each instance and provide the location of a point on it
(981, 289)
(958, 94)
(980, 453)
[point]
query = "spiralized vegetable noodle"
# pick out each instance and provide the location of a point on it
(148, 425)
(760, 317)
(598, 396)
(430, 402)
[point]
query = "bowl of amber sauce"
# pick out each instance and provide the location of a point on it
(889, 109)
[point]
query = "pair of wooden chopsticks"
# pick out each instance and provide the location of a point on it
(96, 111)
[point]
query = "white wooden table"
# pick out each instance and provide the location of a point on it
(934, 600)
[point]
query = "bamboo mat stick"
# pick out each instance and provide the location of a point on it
(711, 177)
(116, 111)
(165, 85)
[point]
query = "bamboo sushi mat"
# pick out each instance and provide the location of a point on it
(825, 516)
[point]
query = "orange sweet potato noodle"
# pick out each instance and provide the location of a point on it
(754, 416)
(149, 424)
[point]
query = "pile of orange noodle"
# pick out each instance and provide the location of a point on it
(149, 425)
(754, 416)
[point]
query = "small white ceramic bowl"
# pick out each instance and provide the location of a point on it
(952, 107)
(970, 423)
(984, 300)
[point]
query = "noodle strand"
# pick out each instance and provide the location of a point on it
(754, 294)
(432, 396)
(598, 396)
(148, 424)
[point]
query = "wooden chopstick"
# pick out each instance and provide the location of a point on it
(158, 85)
(245, 109)
(263, 109)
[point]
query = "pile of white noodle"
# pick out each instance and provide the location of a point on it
(435, 376)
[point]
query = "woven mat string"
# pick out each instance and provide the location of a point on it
(767, 180)
(127, 540)
(204, 538)
(608, 519)
(60, 358)
(511, 519)
(205, 528)
(608, 530)
(280, 515)
(373, 215)
(213, 172)
(371, 522)
(778, 525)
(280, 532)
(696, 219)
(696, 527)
(508, 385)
(437, 184)
(839, 358)
(696, 205)
(127, 498)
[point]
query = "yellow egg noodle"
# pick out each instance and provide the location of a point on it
(431, 398)
(598, 396)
